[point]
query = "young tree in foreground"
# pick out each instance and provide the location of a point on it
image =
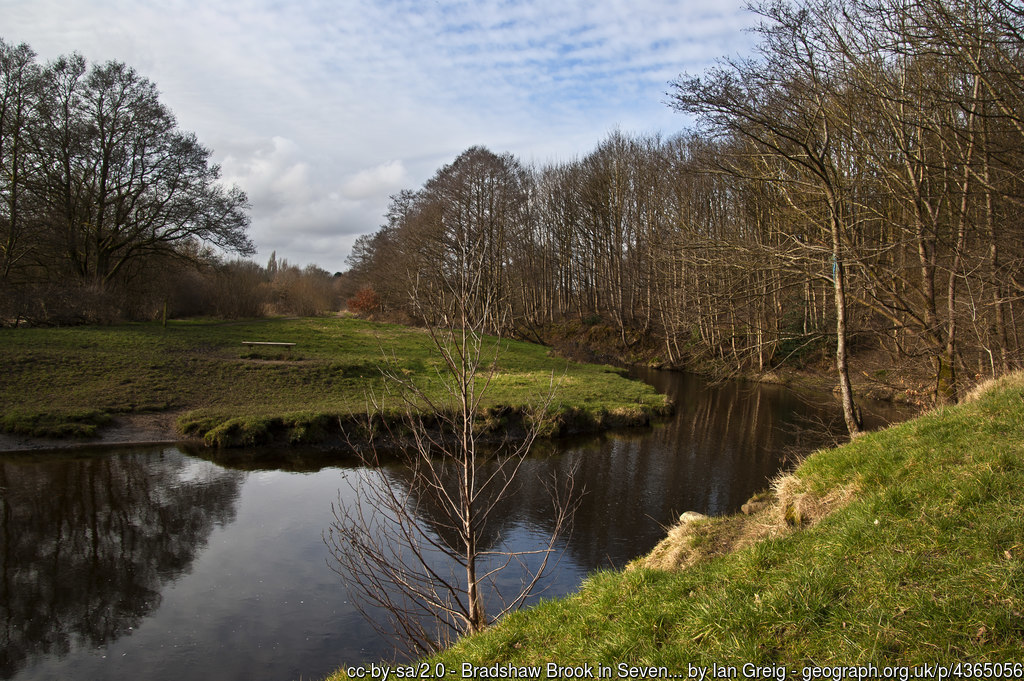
(421, 543)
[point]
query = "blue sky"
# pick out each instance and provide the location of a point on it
(321, 109)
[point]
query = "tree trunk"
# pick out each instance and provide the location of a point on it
(850, 412)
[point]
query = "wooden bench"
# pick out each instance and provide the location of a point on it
(287, 346)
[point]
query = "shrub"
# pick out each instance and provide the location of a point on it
(365, 302)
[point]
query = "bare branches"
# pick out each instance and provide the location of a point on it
(97, 182)
(420, 542)
(867, 162)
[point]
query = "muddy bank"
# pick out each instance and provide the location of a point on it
(391, 429)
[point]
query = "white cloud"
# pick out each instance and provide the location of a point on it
(320, 109)
(272, 174)
(379, 181)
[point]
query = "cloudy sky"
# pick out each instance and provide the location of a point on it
(321, 109)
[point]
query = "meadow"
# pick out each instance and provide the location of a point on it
(73, 381)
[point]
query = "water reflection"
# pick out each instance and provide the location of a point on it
(87, 544)
(218, 570)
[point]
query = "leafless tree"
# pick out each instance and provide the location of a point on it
(19, 84)
(852, 192)
(98, 184)
(420, 541)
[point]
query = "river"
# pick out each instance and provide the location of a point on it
(165, 563)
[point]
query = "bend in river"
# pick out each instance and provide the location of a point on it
(158, 563)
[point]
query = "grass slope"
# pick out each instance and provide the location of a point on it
(916, 555)
(69, 381)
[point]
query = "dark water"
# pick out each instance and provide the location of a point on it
(157, 564)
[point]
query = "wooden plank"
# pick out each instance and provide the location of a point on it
(279, 345)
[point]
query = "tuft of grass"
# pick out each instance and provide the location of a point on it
(230, 395)
(903, 547)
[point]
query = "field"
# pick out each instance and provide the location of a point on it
(71, 382)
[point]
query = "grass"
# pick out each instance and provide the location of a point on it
(71, 381)
(904, 547)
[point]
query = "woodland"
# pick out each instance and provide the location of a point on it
(847, 199)
(852, 189)
(109, 211)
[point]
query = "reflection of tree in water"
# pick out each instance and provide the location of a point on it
(295, 459)
(722, 445)
(86, 544)
(421, 569)
(424, 502)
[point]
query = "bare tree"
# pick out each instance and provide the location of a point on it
(121, 181)
(19, 81)
(782, 107)
(859, 179)
(421, 542)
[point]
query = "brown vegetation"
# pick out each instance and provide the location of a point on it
(854, 188)
(787, 507)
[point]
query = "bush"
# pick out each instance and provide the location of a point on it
(365, 302)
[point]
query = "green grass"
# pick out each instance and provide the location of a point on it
(924, 565)
(69, 381)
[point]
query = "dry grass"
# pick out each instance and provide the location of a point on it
(787, 507)
(1014, 380)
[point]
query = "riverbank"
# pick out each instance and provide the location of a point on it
(196, 380)
(874, 374)
(903, 547)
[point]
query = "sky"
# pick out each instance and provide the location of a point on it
(320, 110)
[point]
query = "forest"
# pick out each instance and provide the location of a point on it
(854, 188)
(848, 199)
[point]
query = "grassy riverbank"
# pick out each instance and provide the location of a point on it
(70, 382)
(903, 547)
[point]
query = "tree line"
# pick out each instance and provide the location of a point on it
(107, 208)
(855, 185)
